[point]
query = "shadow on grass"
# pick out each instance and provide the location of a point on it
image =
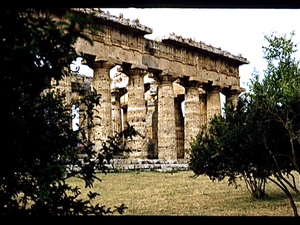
(275, 196)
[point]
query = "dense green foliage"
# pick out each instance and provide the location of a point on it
(278, 94)
(259, 139)
(38, 147)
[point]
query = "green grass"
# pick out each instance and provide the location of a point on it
(154, 193)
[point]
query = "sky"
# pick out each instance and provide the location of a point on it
(239, 31)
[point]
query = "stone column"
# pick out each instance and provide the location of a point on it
(67, 89)
(83, 120)
(179, 121)
(136, 109)
(203, 111)
(124, 107)
(116, 94)
(64, 86)
(151, 122)
(192, 121)
(102, 113)
(231, 95)
(213, 106)
(166, 133)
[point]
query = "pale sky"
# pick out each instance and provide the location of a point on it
(234, 30)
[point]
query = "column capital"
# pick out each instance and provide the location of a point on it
(103, 64)
(164, 77)
(233, 91)
(190, 83)
(133, 70)
(98, 62)
(211, 88)
(118, 91)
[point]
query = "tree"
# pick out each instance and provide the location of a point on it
(38, 147)
(259, 140)
(278, 96)
(230, 147)
(280, 89)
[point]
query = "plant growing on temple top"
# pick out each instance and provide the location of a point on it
(136, 21)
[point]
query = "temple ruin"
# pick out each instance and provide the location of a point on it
(177, 70)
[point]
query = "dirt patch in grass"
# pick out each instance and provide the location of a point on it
(154, 193)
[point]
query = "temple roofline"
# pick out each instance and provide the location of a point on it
(135, 26)
(119, 21)
(188, 42)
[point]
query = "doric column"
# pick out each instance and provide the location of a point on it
(64, 86)
(213, 105)
(179, 121)
(151, 122)
(203, 111)
(192, 121)
(67, 89)
(102, 112)
(136, 112)
(166, 133)
(124, 108)
(85, 122)
(232, 95)
(116, 94)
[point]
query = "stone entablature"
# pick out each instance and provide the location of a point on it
(183, 56)
(201, 46)
(106, 18)
(182, 70)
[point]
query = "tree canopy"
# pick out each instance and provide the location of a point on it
(258, 139)
(38, 147)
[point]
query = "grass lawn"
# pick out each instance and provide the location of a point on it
(155, 193)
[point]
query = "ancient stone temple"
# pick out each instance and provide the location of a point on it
(178, 71)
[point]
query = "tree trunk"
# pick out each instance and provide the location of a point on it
(286, 191)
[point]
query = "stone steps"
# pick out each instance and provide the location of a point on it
(159, 165)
